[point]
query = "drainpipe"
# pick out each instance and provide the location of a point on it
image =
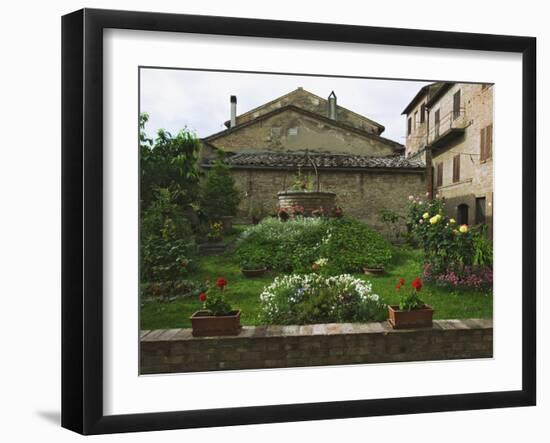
(429, 162)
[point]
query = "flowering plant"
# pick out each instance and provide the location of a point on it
(214, 300)
(297, 210)
(410, 300)
(283, 214)
(215, 232)
(446, 245)
(313, 298)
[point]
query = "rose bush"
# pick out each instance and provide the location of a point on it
(452, 253)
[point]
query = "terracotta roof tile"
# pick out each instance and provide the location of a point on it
(322, 160)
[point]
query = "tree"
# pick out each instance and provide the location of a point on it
(168, 162)
(219, 196)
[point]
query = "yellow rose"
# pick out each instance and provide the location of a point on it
(435, 219)
(425, 215)
(463, 228)
(452, 221)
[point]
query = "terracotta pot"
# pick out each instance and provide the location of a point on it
(207, 325)
(373, 271)
(253, 272)
(417, 318)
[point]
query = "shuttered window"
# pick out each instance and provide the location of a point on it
(456, 168)
(422, 113)
(439, 176)
(456, 105)
(486, 143)
(409, 126)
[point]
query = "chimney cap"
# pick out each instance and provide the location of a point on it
(332, 95)
(233, 99)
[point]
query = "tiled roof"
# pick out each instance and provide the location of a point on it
(322, 160)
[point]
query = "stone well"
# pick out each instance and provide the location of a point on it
(309, 200)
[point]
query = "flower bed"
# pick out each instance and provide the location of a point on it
(312, 298)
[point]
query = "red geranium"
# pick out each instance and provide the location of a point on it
(202, 297)
(401, 281)
(221, 283)
(417, 284)
(398, 286)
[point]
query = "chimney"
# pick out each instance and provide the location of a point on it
(233, 100)
(332, 106)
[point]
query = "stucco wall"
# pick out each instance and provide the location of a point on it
(291, 130)
(476, 176)
(362, 194)
(310, 102)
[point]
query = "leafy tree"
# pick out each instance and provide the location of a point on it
(170, 161)
(219, 196)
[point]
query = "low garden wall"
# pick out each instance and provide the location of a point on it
(176, 350)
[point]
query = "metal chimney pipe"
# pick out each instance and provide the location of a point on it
(332, 106)
(233, 100)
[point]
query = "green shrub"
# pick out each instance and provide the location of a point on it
(218, 195)
(446, 245)
(313, 298)
(351, 245)
(166, 240)
(295, 245)
(282, 246)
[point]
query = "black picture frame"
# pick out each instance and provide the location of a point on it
(82, 216)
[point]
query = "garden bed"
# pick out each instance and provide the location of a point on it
(244, 292)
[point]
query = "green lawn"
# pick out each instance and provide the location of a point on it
(243, 293)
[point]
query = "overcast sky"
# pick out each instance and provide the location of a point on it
(199, 100)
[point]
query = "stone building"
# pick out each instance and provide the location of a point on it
(341, 152)
(450, 127)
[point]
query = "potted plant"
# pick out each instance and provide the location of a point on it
(411, 312)
(251, 268)
(217, 316)
(374, 270)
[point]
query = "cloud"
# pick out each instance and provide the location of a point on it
(199, 100)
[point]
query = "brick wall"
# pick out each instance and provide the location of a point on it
(176, 350)
(360, 194)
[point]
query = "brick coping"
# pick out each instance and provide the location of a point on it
(328, 329)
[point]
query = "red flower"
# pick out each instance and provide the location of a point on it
(401, 281)
(221, 282)
(398, 286)
(202, 296)
(417, 284)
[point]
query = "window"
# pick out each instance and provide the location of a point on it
(292, 131)
(436, 121)
(456, 168)
(422, 113)
(409, 126)
(480, 210)
(456, 105)
(462, 214)
(439, 177)
(415, 120)
(486, 143)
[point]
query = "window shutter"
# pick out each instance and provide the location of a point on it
(439, 181)
(456, 168)
(482, 147)
(489, 142)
